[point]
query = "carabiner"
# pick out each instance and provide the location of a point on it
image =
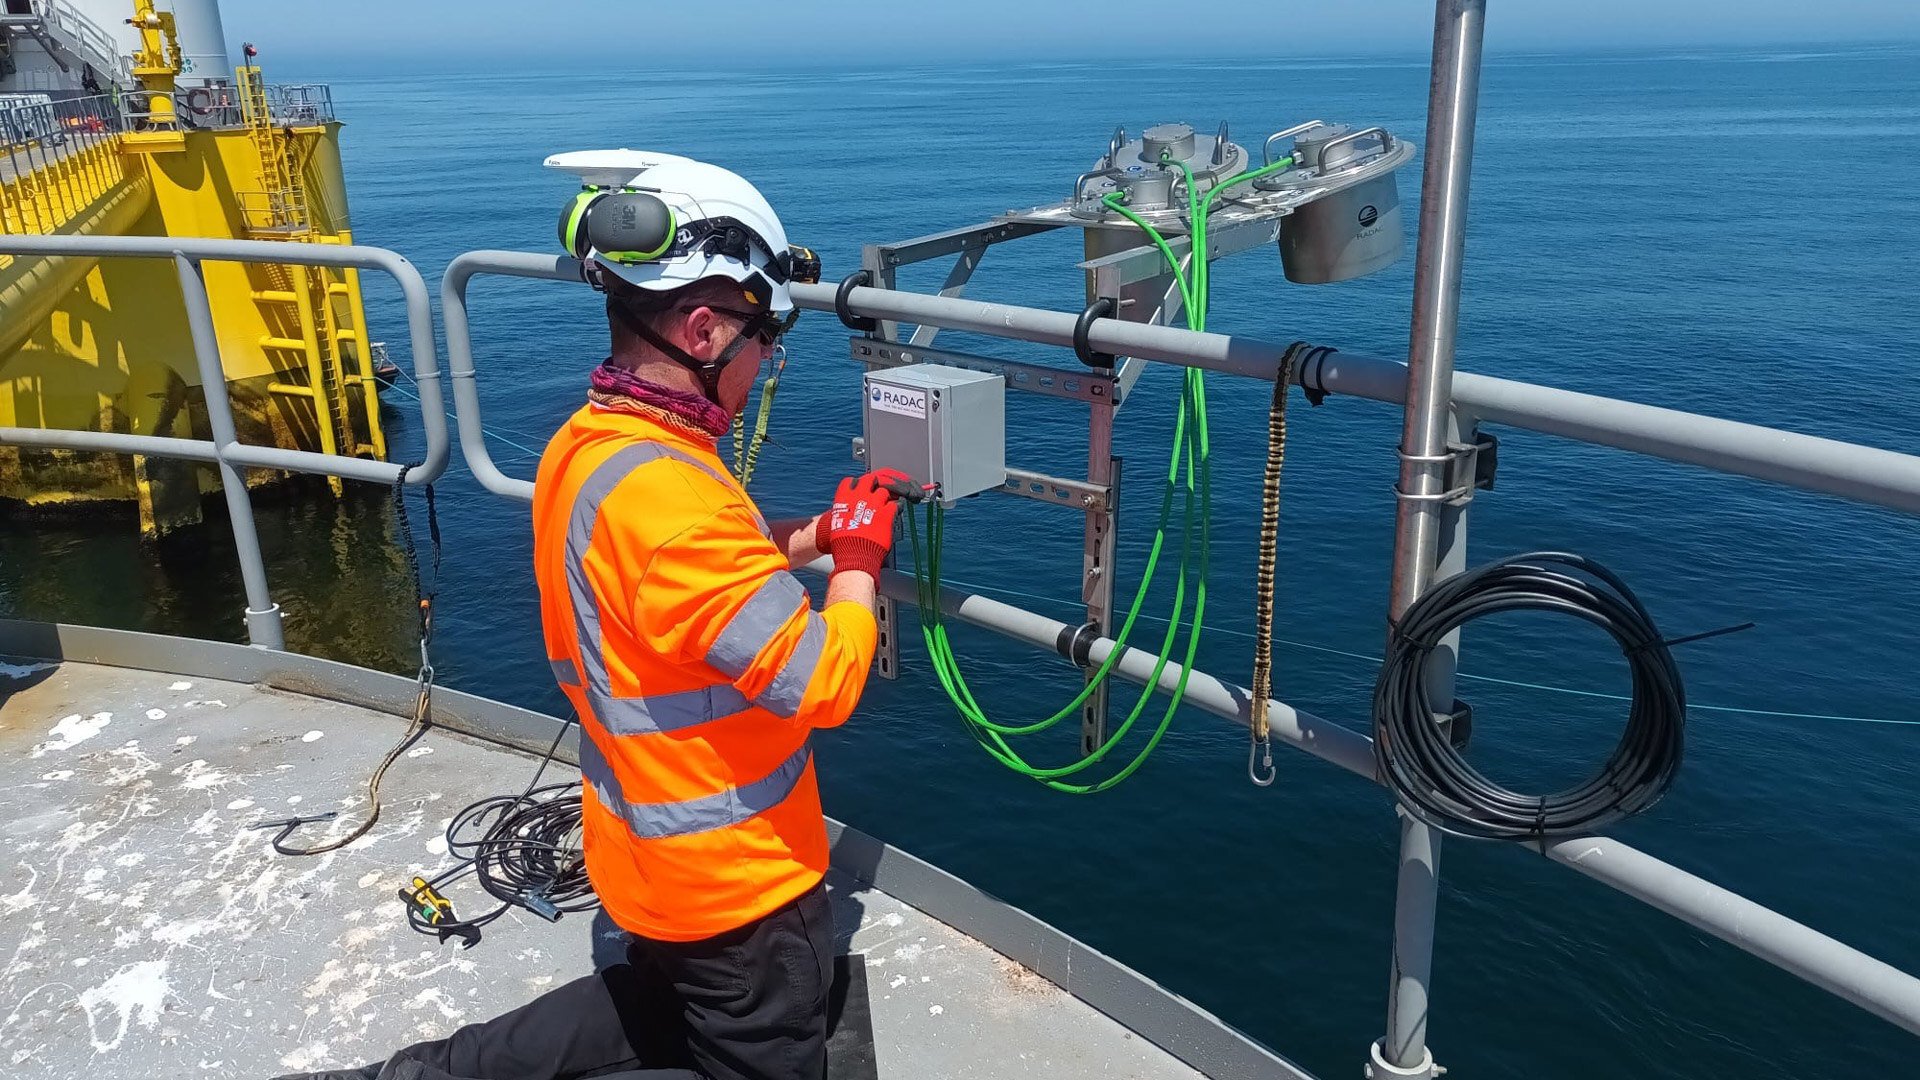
(1254, 747)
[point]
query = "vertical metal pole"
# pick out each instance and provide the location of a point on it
(263, 615)
(886, 269)
(1453, 98)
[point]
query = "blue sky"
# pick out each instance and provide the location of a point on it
(503, 35)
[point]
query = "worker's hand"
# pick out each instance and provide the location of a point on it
(875, 482)
(859, 528)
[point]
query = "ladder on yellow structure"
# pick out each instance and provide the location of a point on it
(299, 302)
(300, 306)
(282, 211)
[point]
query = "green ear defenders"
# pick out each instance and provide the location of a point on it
(624, 226)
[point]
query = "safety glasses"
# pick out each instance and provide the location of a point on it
(763, 326)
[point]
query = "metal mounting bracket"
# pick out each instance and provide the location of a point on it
(1470, 467)
(1458, 724)
(1038, 486)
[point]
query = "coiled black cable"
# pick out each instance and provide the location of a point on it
(1431, 779)
(526, 846)
(525, 850)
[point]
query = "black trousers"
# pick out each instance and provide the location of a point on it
(750, 1004)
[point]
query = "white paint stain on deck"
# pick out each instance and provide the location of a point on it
(197, 775)
(71, 731)
(133, 994)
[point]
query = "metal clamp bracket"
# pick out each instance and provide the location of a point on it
(1458, 724)
(1470, 468)
(1102, 308)
(861, 323)
(1059, 490)
(1475, 464)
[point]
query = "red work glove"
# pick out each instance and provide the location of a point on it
(858, 530)
(879, 478)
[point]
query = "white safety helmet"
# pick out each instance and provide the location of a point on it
(659, 222)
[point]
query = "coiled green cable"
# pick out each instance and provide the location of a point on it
(1188, 474)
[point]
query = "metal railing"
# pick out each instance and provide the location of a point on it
(225, 451)
(83, 36)
(1880, 477)
(300, 103)
(42, 119)
(57, 157)
(1862, 473)
(217, 105)
(1870, 475)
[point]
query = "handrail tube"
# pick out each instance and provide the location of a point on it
(110, 442)
(413, 288)
(460, 363)
(1866, 474)
(1342, 746)
(202, 450)
(1839, 968)
(1809, 462)
(317, 464)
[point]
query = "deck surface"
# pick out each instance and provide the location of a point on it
(147, 931)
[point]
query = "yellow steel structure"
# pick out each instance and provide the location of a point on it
(156, 63)
(103, 345)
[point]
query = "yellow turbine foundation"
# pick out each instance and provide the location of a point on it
(104, 345)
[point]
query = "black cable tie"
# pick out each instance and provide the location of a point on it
(1102, 308)
(1312, 357)
(1075, 643)
(860, 323)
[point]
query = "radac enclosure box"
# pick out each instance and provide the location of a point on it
(939, 425)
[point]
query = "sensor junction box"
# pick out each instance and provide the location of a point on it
(939, 425)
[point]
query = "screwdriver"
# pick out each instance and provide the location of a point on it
(906, 489)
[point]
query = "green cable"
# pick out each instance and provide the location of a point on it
(997, 747)
(1192, 450)
(929, 588)
(947, 667)
(1111, 202)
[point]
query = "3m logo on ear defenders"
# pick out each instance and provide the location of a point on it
(625, 226)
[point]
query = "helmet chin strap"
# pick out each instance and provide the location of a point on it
(708, 371)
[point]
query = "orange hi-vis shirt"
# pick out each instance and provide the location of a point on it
(699, 669)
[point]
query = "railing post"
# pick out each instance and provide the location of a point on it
(263, 615)
(1422, 513)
